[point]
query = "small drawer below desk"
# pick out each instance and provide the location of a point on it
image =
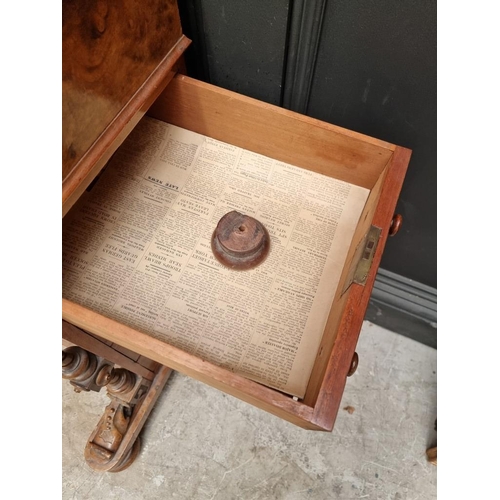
(289, 138)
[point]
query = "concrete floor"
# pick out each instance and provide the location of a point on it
(202, 444)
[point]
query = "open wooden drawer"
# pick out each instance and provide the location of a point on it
(310, 144)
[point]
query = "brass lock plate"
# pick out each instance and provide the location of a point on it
(363, 258)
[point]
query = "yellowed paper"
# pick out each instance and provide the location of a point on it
(136, 248)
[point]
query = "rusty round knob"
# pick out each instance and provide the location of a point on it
(396, 222)
(240, 241)
(354, 364)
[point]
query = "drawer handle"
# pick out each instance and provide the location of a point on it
(354, 364)
(396, 222)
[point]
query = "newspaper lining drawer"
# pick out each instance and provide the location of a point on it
(306, 143)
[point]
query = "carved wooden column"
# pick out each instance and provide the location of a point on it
(114, 444)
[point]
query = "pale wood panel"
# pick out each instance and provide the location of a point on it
(332, 386)
(107, 342)
(148, 363)
(272, 131)
(126, 352)
(262, 397)
(340, 300)
(75, 336)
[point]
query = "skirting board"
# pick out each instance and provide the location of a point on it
(404, 306)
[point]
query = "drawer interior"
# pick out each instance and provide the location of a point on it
(294, 139)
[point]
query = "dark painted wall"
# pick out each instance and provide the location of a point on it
(238, 45)
(376, 74)
(373, 70)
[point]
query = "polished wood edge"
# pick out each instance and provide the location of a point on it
(332, 388)
(78, 337)
(263, 397)
(140, 101)
(292, 114)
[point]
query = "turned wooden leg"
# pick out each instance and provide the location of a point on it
(114, 444)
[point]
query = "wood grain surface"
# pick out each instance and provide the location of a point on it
(109, 49)
(272, 131)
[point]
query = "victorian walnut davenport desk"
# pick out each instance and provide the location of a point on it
(121, 61)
